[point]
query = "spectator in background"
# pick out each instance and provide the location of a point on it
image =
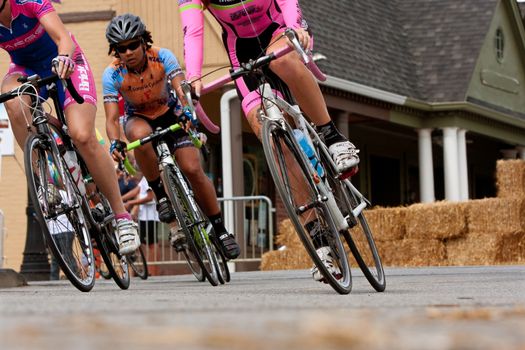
(142, 206)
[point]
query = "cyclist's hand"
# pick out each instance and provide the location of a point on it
(186, 119)
(63, 66)
(117, 150)
(196, 90)
(303, 37)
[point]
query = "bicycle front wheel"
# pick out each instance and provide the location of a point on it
(58, 208)
(306, 209)
(359, 237)
(198, 244)
(107, 241)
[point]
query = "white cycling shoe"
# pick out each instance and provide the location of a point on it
(325, 254)
(128, 236)
(346, 158)
(178, 240)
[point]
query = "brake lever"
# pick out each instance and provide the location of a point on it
(292, 36)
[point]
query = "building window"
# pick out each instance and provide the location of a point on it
(499, 42)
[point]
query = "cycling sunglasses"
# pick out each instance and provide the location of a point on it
(132, 46)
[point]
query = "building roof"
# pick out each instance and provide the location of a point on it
(425, 50)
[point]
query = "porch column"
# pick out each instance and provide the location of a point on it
(426, 166)
(450, 161)
(463, 168)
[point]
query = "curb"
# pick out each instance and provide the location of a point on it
(10, 278)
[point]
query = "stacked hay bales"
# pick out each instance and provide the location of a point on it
(478, 232)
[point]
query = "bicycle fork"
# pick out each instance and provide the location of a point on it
(165, 160)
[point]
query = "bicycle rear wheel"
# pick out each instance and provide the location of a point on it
(107, 242)
(199, 245)
(58, 208)
(305, 208)
(359, 238)
(138, 263)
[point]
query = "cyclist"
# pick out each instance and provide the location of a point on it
(141, 74)
(249, 27)
(34, 36)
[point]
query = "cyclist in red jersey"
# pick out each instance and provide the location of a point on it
(34, 36)
(249, 26)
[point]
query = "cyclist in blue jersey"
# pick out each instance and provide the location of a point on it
(141, 73)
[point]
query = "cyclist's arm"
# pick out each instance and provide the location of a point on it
(192, 18)
(173, 72)
(110, 94)
(292, 14)
(58, 32)
(112, 121)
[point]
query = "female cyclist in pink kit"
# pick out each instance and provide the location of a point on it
(248, 28)
(33, 35)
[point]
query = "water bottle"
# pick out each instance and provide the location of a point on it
(309, 151)
(74, 168)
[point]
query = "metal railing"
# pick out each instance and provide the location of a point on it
(2, 235)
(250, 218)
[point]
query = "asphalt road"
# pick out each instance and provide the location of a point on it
(426, 308)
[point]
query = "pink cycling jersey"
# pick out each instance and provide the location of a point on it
(31, 49)
(238, 18)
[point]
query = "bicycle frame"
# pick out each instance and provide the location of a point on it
(273, 106)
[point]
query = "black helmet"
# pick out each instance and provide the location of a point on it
(124, 27)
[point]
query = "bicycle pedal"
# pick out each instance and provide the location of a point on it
(347, 174)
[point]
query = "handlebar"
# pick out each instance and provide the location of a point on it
(37, 82)
(194, 137)
(252, 65)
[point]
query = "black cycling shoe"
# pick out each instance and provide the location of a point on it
(229, 247)
(165, 210)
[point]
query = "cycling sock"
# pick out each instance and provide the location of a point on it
(330, 133)
(217, 223)
(123, 216)
(157, 188)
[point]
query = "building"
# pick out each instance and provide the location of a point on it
(431, 92)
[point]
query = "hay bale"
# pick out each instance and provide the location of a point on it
(286, 259)
(439, 220)
(287, 236)
(496, 215)
(510, 178)
(487, 249)
(412, 252)
(387, 224)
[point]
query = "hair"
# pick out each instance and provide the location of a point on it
(146, 39)
(205, 4)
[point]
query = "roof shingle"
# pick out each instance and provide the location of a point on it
(424, 49)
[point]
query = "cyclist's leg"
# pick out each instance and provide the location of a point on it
(136, 128)
(318, 235)
(205, 195)
(306, 91)
(14, 108)
(81, 124)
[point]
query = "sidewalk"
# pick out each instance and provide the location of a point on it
(10, 278)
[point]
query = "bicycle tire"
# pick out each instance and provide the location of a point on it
(58, 208)
(107, 242)
(277, 142)
(359, 238)
(139, 263)
(222, 263)
(198, 244)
